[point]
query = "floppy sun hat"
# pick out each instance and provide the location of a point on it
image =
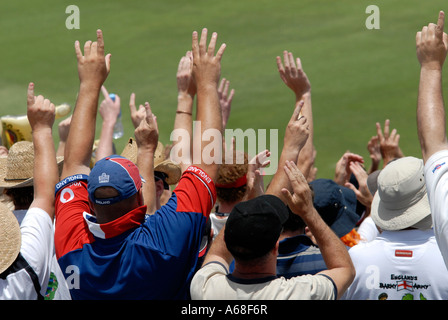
(10, 237)
(401, 200)
(16, 170)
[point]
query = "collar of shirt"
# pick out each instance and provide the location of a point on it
(130, 220)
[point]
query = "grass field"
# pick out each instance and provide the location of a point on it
(358, 76)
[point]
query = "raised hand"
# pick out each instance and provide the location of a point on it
(137, 115)
(293, 75)
(147, 133)
(40, 111)
(342, 171)
(297, 130)
(389, 142)
(206, 65)
(184, 77)
(93, 66)
(432, 44)
(300, 201)
(109, 109)
(225, 100)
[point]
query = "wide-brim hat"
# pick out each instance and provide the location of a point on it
(336, 205)
(10, 237)
(401, 200)
(17, 169)
(171, 169)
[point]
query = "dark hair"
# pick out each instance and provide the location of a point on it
(21, 197)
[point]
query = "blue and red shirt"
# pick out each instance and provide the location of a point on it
(136, 256)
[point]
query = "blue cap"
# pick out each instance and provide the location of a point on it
(116, 172)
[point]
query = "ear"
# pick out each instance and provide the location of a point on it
(92, 207)
(140, 199)
(275, 249)
(159, 188)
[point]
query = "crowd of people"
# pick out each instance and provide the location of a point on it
(83, 221)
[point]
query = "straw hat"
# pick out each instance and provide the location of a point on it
(10, 237)
(16, 170)
(167, 166)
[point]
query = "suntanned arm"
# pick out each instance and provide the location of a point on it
(206, 74)
(218, 251)
(41, 115)
(292, 74)
(296, 135)
(109, 111)
(336, 257)
(432, 45)
(186, 90)
(146, 136)
(93, 69)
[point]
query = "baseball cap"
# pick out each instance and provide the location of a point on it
(116, 172)
(254, 226)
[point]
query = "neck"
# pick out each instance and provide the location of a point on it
(226, 207)
(289, 233)
(263, 268)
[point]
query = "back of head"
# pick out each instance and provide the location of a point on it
(231, 181)
(401, 200)
(254, 226)
(113, 180)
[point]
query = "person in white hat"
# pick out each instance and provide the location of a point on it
(403, 262)
(28, 270)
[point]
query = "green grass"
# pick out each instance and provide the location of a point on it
(358, 76)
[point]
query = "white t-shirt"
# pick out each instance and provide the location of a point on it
(399, 265)
(368, 230)
(212, 283)
(36, 249)
(57, 288)
(436, 169)
(217, 223)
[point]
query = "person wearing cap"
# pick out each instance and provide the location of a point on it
(298, 254)
(432, 48)
(251, 237)
(108, 242)
(403, 262)
(28, 268)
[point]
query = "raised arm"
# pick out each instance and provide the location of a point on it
(339, 265)
(41, 115)
(432, 44)
(296, 134)
(183, 121)
(292, 74)
(206, 74)
(109, 111)
(146, 136)
(93, 69)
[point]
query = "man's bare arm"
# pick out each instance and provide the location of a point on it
(93, 69)
(431, 45)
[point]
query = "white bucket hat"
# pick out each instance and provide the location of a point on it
(401, 200)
